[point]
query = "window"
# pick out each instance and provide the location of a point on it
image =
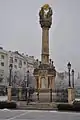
(11, 59)
(1, 71)
(15, 60)
(1, 75)
(20, 63)
(2, 56)
(1, 79)
(24, 63)
(2, 63)
(15, 66)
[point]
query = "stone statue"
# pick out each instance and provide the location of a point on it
(44, 82)
(45, 15)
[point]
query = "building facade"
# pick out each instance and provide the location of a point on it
(30, 62)
(3, 66)
(21, 64)
(77, 86)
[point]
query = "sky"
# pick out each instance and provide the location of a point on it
(20, 30)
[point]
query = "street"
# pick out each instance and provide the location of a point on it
(37, 115)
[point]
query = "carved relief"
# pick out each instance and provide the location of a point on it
(43, 72)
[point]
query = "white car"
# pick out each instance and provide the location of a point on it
(76, 100)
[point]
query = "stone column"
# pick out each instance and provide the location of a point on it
(71, 95)
(9, 93)
(51, 79)
(53, 82)
(39, 82)
(45, 15)
(45, 45)
(46, 81)
(51, 89)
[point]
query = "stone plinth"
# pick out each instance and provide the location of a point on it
(71, 94)
(44, 96)
(37, 106)
(9, 93)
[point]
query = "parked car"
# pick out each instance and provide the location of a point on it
(77, 100)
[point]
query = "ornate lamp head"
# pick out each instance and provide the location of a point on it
(69, 65)
(72, 71)
(10, 66)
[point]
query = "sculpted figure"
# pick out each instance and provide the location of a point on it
(45, 15)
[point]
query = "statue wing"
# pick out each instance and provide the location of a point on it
(49, 13)
(41, 13)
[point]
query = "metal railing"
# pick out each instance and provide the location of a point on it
(50, 95)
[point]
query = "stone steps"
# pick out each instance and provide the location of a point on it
(38, 106)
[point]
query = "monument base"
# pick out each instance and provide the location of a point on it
(44, 95)
(9, 93)
(71, 94)
(37, 106)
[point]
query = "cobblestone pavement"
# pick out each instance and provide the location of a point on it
(37, 115)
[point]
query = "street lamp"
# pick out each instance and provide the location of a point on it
(69, 68)
(10, 69)
(27, 83)
(25, 89)
(27, 78)
(73, 78)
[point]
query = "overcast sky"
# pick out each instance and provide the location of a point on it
(20, 29)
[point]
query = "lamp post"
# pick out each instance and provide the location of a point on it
(73, 78)
(50, 94)
(9, 87)
(10, 69)
(69, 68)
(27, 83)
(25, 89)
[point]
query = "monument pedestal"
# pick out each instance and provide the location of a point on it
(71, 94)
(9, 93)
(44, 95)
